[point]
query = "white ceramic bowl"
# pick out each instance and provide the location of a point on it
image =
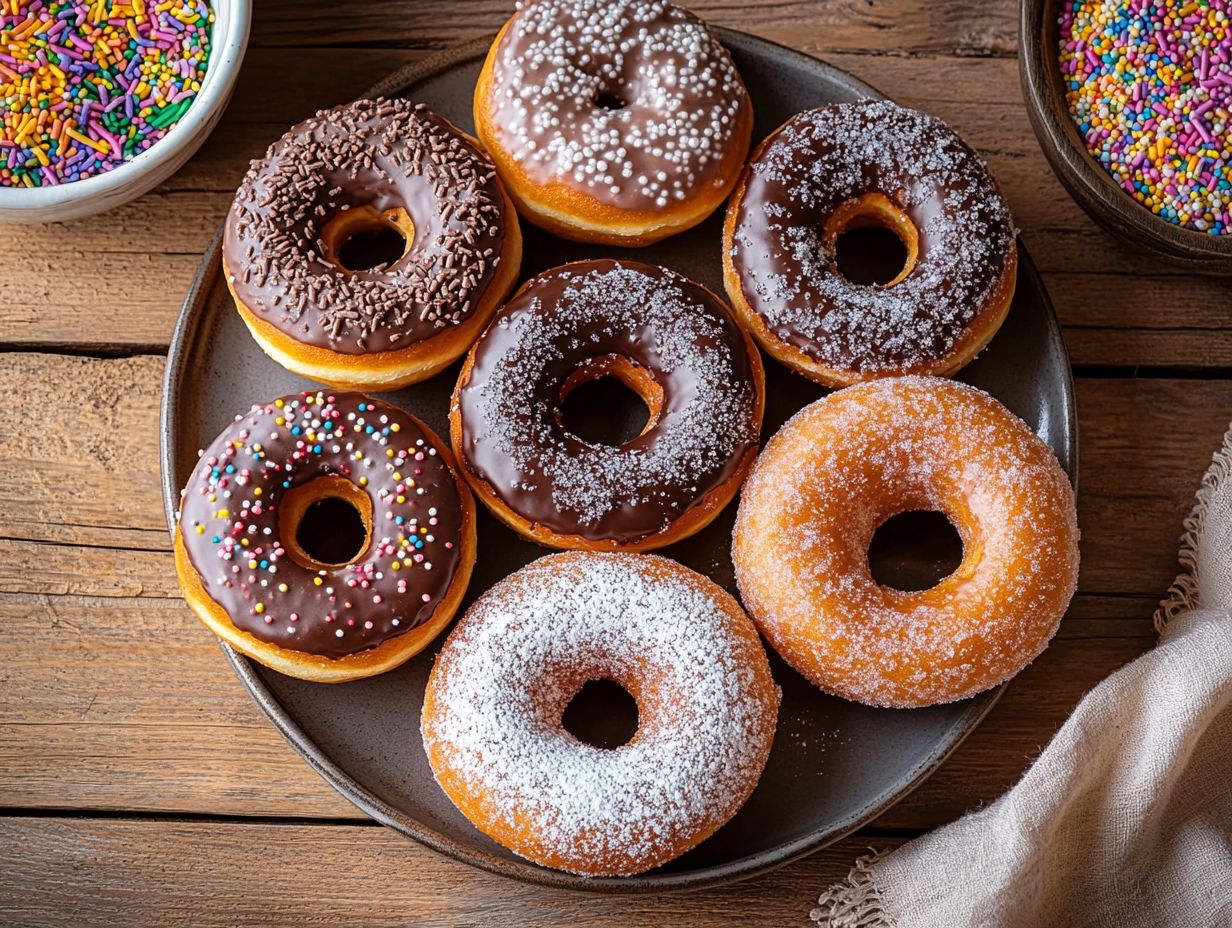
(162, 159)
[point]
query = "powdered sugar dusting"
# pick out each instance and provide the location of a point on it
(828, 156)
(706, 704)
(843, 466)
(676, 92)
(670, 326)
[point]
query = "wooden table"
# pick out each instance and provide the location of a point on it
(139, 784)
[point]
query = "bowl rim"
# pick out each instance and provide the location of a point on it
(1062, 143)
(226, 56)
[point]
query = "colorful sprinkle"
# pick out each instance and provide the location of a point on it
(1150, 86)
(233, 501)
(87, 86)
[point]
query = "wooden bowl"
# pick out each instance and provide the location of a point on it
(1084, 178)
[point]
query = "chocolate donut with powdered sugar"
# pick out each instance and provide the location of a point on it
(850, 166)
(666, 338)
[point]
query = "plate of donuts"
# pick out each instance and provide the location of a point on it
(598, 379)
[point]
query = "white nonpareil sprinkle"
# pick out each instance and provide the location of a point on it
(680, 92)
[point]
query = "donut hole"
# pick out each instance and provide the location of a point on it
(610, 100)
(914, 551)
(331, 531)
(610, 401)
(873, 242)
(871, 255)
(602, 714)
(371, 249)
(365, 239)
(325, 523)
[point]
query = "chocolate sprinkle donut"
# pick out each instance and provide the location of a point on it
(382, 154)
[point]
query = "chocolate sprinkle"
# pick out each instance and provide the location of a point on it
(386, 154)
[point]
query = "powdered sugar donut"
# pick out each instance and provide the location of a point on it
(851, 166)
(680, 645)
(665, 337)
(843, 466)
(614, 121)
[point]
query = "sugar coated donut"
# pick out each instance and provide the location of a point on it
(348, 176)
(669, 340)
(612, 121)
(843, 466)
(261, 546)
(678, 643)
(851, 166)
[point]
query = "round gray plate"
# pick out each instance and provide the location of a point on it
(835, 764)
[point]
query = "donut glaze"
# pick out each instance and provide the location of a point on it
(664, 484)
(843, 466)
(613, 121)
(858, 164)
(370, 164)
(248, 571)
(678, 643)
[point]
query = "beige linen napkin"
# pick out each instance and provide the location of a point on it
(1125, 819)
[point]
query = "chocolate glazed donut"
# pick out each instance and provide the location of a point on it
(292, 597)
(368, 169)
(665, 337)
(851, 166)
(613, 121)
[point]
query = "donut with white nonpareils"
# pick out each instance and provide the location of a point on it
(850, 166)
(666, 338)
(680, 645)
(363, 172)
(614, 122)
(262, 546)
(843, 466)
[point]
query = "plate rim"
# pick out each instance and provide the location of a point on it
(185, 336)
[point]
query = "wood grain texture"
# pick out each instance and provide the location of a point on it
(883, 27)
(112, 873)
(120, 711)
(150, 266)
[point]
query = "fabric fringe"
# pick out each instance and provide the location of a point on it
(856, 901)
(1183, 594)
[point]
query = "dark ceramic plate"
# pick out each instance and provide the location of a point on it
(835, 764)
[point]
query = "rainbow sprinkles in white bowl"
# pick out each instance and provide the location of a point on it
(88, 86)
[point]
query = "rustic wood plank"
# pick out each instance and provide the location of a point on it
(1114, 311)
(138, 710)
(92, 872)
(83, 470)
(888, 27)
(84, 462)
